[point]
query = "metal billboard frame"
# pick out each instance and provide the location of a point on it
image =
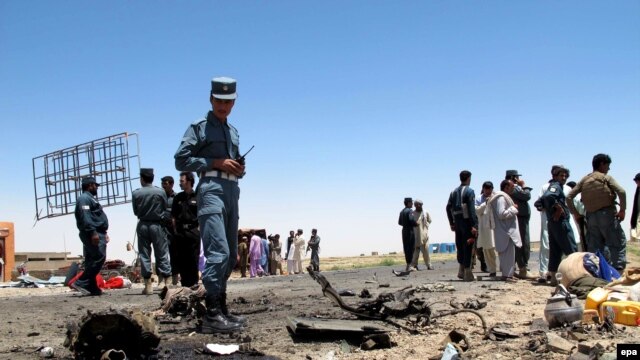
(57, 176)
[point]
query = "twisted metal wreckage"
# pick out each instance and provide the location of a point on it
(387, 306)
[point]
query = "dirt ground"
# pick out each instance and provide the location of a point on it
(32, 318)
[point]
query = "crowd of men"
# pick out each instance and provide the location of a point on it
(588, 212)
(262, 254)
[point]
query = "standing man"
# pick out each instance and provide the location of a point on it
(166, 183)
(275, 257)
(421, 231)
(408, 223)
(599, 191)
(561, 237)
(264, 259)
(210, 147)
(521, 196)
(150, 206)
(464, 222)
(243, 252)
(635, 219)
(289, 243)
(93, 225)
(298, 245)
(486, 224)
(255, 254)
(314, 245)
(507, 237)
(186, 240)
(578, 226)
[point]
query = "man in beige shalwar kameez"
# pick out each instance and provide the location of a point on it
(421, 231)
(485, 227)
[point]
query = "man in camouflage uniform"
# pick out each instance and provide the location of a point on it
(599, 192)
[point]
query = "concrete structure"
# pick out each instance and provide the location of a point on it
(46, 261)
(7, 249)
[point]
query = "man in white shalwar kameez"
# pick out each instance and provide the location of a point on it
(506, 233)
(298, 243)
(421, 232)
(485, 227)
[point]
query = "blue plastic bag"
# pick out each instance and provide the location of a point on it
(607, 272)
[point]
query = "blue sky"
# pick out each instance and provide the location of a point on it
(352, 105)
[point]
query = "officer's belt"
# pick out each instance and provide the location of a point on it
(460, 212)
(152, 221)
(220, 174)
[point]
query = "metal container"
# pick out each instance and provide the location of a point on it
(562, 308)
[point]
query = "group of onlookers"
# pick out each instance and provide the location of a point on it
(497, 222)
(263, 254)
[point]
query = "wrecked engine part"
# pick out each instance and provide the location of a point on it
(133, 332)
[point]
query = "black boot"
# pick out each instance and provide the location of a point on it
(214, 320)
(225, 310)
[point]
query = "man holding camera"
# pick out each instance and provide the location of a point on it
(521, 195)
(210, 147)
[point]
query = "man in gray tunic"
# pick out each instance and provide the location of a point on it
(506, 232)
(210, 147)
(421, 232)
(150, 206)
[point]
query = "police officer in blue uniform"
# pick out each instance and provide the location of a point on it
(210, 147)
(150, 206)
(186, 240)
(166, 182)
(464, 221)
(561, 237)
(93, 225)
(408, 222)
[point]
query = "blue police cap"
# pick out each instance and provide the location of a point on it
(89, 180)
(146, 171)
(223, 88)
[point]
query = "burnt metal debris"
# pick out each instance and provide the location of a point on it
(316, 326)
(400, 304)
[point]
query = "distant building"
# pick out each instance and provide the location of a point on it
(7, 248)
(46, 262)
